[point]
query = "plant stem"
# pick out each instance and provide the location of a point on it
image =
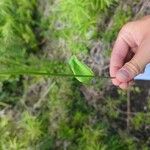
(128, 110)
(50, 74)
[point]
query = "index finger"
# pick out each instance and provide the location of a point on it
(119, 53)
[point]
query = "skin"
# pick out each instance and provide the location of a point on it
(131, 52)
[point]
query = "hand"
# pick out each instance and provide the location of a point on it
(131, 52)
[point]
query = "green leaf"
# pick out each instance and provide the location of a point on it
(79, 68)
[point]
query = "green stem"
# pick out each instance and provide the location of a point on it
(48, 74)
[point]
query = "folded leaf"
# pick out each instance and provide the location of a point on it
(79, 68)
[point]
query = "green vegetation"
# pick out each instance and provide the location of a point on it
(80, 68)
(75, 21)
(119, 19)
(16, 24)
(43, 112)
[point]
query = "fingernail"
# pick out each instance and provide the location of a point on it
(123, 75)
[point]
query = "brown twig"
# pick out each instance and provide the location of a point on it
(132, 113)
(128, 110)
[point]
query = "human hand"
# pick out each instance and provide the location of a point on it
(131, 52)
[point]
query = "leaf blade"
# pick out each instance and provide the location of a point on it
(79, 68)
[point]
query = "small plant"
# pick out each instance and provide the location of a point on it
(79, 68)
(101, 5)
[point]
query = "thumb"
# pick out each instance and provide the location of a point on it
(136, 65)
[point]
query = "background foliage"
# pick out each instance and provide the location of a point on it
(49, 113)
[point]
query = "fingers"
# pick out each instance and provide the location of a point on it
(128, 71)
(136, 65)
(124, 86)
(124, 67)
(118, 56)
